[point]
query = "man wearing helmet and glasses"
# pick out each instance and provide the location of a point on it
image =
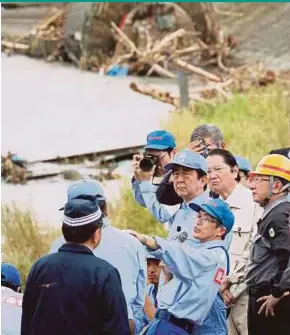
(268, 271)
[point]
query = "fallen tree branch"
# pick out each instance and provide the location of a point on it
(15, 46)
(156, 94)
(191, 68)
(125, 38)
(161, 71)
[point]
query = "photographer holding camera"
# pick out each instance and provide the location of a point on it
(159, 151)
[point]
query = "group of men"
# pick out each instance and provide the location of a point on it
(223, 268)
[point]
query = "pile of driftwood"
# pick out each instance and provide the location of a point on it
(13, 170)
(207, 87)
(163, 57)
(44, 41)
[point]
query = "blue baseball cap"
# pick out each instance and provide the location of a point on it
(189, 159)
(243, 164)
(220, 210)
(86, 187)
(10, 275)
(160, 140)
(81, 211)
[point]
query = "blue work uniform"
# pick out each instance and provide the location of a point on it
(74, 292)
(145, 194)
(127, 254)
(11, 310)
(191, 297)
(152, 291)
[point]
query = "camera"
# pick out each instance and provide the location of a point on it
(148, 162)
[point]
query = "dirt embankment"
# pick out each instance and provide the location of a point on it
(262, 30)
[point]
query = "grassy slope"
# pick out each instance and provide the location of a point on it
(252, 124)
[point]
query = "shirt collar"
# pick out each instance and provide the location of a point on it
(214, 243)
(235, 198)
(199, 200)
(73, 247)
(272, 205)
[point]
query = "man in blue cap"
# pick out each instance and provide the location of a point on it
(190, 302)
(11, 299)
(72, 291)
(244, 169)
(189, 172)
(119, 249)
(161, 146)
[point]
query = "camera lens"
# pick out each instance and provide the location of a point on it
(146, 164)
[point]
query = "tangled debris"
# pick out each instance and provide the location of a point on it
(207, 87)
(151, 38)
(44, 41)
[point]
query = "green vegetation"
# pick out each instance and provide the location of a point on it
(24, 240)
(253, 123)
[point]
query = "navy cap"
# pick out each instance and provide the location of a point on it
(220, 210)
(86, 187)
(10, 275)
(81, 211)
(160, 140)
(189, 159)
(243, 164)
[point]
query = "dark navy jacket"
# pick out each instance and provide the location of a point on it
(74, 292)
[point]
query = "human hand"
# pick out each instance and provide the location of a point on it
(135, 166)
(225, 286)
(229, 299)
(197, 146)
(135, 234)
(269, 302)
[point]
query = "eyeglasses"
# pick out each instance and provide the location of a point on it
(205, 219)
(257, 180)
(217, 170)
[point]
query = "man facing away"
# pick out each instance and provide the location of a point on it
(119, 249)
(72, 291)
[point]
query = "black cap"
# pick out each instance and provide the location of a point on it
(81, 211)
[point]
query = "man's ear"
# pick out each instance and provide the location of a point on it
(223, 145)
(97, 236)
(173, 153)
(204, 180)
(221, 231)
(277, 186)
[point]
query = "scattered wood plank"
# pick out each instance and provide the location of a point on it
(196, 70)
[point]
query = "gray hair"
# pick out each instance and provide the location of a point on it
(208, 130)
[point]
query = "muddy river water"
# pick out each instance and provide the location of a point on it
(50, 110)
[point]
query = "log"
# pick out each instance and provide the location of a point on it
(50, 20)
(156, 94)
(161, 71)
(167, 39)
(125, 38)
(191, 68)
(15, 46)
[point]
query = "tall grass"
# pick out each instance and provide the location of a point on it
(253, 123)
(24, 240)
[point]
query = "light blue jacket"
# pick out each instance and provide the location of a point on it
(197, 275)
(127, 254)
